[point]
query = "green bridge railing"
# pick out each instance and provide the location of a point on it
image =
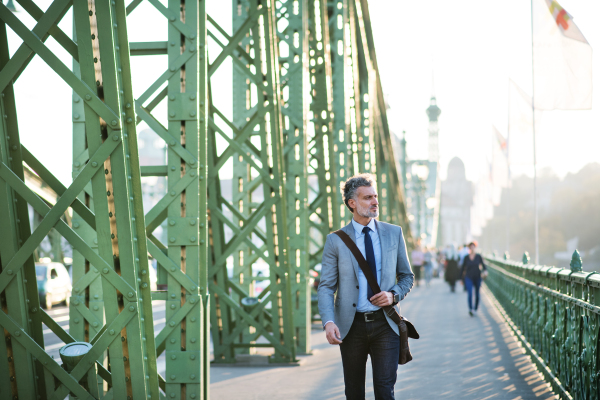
(555, 313)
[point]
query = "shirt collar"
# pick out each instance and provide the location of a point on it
(358, 227)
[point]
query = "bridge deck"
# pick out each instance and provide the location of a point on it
(457, 357)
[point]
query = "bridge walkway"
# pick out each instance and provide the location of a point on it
(457, 357)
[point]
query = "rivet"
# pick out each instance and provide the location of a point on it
(202, 225)
(88, 97)
(193, 97)
(144, 285)
(172, 239)
(95, 324)
(192, 113)
(113, 122)
(172, 395)
(94, 164)
(172, 69)
(193, 287)
(192, 300)
(17, 333)
(76, 116)
(192, 238)
(172, 114)
(193, 319)
(76, 302)
(171, 222)
(144, 272)
(129, 120)
(105, 270)
(132, 308)
(172, 193)
(172, 19)
(192, 376)
(77, 164)
(173, 357)
(75, 225)
(76, 320)
(192, 356)
(128, 105)
(172, 143)
(172, 324)
(193, 340)
(10, 271)
(111, 332)
(76, 290)
(115, 137)
(192, 222)
(173, 306)
(201, 241)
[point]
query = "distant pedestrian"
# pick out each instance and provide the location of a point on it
(463, 251)
(428, 259)
(417, 258)
(452, 273)
(471, 273)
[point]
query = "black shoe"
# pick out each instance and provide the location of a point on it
(470, 313)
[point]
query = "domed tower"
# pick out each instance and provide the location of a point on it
(433, 112)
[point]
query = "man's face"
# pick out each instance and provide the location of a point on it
(365, 203)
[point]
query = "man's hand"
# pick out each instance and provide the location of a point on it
(382, 299)
(332, 333)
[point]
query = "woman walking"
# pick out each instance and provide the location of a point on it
(452, 273)
(471, 273)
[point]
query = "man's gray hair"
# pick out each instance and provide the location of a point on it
(352, 184)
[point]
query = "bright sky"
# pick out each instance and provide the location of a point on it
(473, 46)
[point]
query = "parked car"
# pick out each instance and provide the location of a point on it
(54, 284)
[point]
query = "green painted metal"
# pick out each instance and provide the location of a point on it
(107, 172)
(292, 31)
(181, 253)
(248, 229)
(556, 313)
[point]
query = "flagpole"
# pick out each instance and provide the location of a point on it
(535, 202)
(508, 173)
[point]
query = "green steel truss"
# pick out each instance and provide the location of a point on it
(248, 228)
(292, 32)
(110, 306)
(181, 255)
(323, 161)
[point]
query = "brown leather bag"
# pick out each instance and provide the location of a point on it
(407, 330)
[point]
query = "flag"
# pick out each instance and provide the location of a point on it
(520, 130)
(501, 140)
(564, 21)
(562, 60)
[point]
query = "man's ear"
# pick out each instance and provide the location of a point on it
(352, 203)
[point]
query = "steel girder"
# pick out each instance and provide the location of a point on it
(248, 228)
(292, 33)
(108, 172)
(181, 253)
(323, 161)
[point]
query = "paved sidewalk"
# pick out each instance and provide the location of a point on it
(457, 357)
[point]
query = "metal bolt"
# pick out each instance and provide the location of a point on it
(76, 116)
(192, 222)
(171, 114)
(113, 122)
(173, 357)
(172, 193)
(192, 376)
(201, 241)
(105, 270)
(95, 308)
(144, 285)
(193, 340)
(192, 239)
(172, 143)
(94, 164)
(193, 319)
(132, 308)
(76, 302)
(115, 137)
(129, 120)
(192, 300)
(172, 324)
(95, 324)
(172, 239)
(192, 113)
(171, 222)
(173, 306)
(111, 332)
(76, 290)
(76, 320)
(10, 271)
(192, 356)
(193, 287)
(17, 333)
(88, 97)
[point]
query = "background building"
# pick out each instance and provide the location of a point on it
(456, 202)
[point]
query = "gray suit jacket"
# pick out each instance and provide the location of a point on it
(339, 272)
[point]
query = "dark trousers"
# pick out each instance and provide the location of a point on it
(472, 285)
(378, 340)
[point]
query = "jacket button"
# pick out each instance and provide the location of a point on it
(353, 305)
(357, 286)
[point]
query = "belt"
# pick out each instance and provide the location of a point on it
(370, 316)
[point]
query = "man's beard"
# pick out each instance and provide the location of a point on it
(366, 212)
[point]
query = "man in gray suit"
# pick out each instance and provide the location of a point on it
(355, 320)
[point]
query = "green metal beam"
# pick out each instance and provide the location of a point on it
(109, 174)
(292, 33)
(248, 228)
(181, 252)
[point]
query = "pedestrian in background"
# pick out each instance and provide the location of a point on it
(417, 258)
(471, 272)
(428, 258)
(452, 273)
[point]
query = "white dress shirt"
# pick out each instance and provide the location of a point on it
(364, 305)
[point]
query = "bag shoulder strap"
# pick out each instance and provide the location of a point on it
(364, 266)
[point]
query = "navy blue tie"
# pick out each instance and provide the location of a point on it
(370, 259)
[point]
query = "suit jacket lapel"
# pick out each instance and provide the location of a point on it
(349, 229)
(383, 240)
